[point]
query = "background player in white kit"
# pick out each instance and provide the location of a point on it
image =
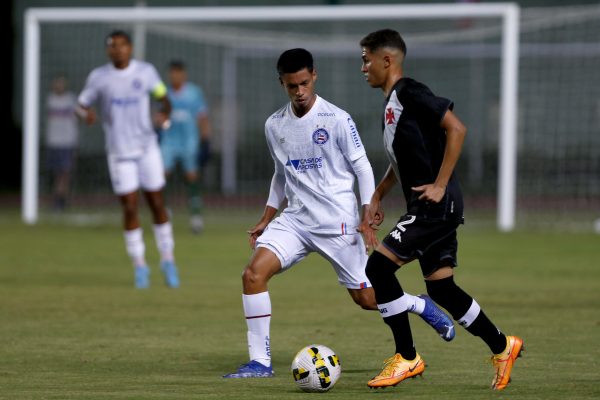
(123, 88)
(317, 153)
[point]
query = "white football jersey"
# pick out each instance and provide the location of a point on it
(314, 153)
(124, 99)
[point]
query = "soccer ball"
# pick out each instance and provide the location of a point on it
(316, 368)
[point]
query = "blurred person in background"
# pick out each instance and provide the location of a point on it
(187, 139)
(123, 89)
(61, 139)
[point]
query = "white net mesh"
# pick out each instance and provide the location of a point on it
(559, 99)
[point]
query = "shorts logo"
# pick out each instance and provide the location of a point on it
(320, 136)
(401, 227)
(304, 164)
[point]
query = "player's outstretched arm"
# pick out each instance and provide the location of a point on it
(455, 137)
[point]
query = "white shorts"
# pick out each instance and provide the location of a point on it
(127, 175)
(346, 253)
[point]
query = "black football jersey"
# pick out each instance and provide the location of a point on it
(414, 143)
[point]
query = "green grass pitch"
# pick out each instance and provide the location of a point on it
(73, 327)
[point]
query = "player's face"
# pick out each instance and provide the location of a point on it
(300, 88)
(177, 77)
(59, 85)
(119, 51)
(373, 67)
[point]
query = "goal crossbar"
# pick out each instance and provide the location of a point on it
(508, 12)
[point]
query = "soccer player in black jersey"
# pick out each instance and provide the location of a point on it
(423, 140)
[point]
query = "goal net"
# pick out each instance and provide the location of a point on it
(466, 52)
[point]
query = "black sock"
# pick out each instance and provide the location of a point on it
(381, 272)
(400, 327)
(487, 331)
(447, 294)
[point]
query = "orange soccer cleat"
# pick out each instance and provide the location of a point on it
(504, 361)
(396, 369)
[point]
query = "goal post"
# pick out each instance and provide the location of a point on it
(508, 99)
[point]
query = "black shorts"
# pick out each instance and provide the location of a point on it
(433, 243)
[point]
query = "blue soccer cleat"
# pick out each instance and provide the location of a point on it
(253, 369)
(438, 320)
(142, 277)
(169, 271)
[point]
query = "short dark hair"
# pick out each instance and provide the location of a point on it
(177, 64)
(117, 33)
(294, 60)
(384, 38)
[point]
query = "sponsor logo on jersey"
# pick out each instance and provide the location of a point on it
(320, 136)
(124, 101)
(325, 114)
(354, 133)
(305, 164)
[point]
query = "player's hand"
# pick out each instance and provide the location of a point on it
(377, 217)
(375, 210)
(430, 192)
(162, 121)
(368, 227)
(369, 233)
(90, 116)
(255, 233)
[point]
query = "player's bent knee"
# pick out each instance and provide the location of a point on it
(367, 304)
(367, 300)
(252, 277)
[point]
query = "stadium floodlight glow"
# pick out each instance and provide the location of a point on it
(508, 12)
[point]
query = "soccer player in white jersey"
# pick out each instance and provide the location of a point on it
(122, 89)
(317, 153)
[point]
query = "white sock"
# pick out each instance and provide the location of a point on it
(257, 309)
(471, 315)
(415, 305)
(134, 243)
(163, 234)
